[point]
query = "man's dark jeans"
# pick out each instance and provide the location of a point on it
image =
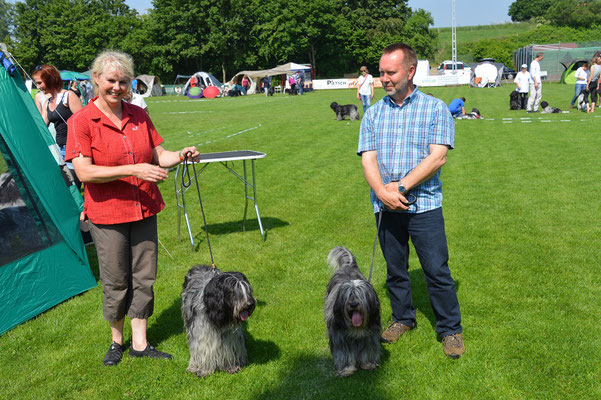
(427, 234)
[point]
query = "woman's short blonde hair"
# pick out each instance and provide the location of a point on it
(113, 59)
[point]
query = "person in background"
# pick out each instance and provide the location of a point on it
(365, 88)
(74, 87)
(457, 107)
(593, 82)
(59, 106)
(536, 87)
(117, 153)
(581, 76)
(245, 83)
(522, 81)
(266, 86)
(136, 99)
(301, 82)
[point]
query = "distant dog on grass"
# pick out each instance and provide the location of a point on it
(214, 306)
(349, 110)
(582, 103)
(352, 315)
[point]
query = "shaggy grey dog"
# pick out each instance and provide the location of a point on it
(214, 306)
(352, 314)
(342, 112)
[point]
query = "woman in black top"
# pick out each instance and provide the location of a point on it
(57, 105)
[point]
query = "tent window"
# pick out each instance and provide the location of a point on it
(25, 227)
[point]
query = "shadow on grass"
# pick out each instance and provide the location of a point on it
(260, 351)
(420, 295)
(313, 377)
(166, 324)
(252, 224)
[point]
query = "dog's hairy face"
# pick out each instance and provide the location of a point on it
(358, 304)
(334, 106)
(228, 299)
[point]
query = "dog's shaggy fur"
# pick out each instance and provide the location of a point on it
(352, 314)
(514, 100)
(214, 306)
(349, 110)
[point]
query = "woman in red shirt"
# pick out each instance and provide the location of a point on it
(117, 153)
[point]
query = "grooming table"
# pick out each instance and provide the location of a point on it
(223, 158)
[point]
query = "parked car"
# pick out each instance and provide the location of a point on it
(446, 68)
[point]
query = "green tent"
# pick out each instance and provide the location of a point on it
(73, 76)
(568, 74)
(43, 260)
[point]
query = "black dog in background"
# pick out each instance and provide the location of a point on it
(342, 112)
(515, 101)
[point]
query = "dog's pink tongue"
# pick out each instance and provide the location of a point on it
(357, 319)
(244, 315)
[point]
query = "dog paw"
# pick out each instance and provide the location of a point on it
(368, 366)
(201, 373)
(348, 371)
(234, 370)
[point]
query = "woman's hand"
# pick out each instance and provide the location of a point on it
(194, 153)
(149, 172)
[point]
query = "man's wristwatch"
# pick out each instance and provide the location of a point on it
(402, 189)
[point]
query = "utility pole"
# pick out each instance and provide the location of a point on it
(454, 39)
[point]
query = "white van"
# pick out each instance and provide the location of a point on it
(446, 68)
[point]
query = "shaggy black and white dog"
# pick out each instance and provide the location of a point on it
(349, 110)
(214, 306)
(352, 314)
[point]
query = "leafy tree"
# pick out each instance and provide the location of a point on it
(523, 10)
(69, 33)
(575, 13)
(6, 20)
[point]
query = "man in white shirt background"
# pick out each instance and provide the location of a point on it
(536, 85)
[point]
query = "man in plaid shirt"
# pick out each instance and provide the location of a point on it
(403, 143)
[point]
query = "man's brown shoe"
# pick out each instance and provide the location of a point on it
(394, 332)
(453, 346)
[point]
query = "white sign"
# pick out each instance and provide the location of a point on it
(330, 84)
(442, 80)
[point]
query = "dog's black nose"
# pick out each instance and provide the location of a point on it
(354, 305)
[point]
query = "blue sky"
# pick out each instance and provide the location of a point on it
(468, 12)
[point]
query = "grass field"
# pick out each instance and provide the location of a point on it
(469, 34)
(521, 204)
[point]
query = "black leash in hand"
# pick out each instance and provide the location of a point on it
(186, 182)
(411, 198)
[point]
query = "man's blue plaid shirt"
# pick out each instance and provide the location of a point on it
(402, 135)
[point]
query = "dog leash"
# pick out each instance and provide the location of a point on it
(373, 253)
(186, 184)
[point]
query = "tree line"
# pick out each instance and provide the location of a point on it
(218, 36)
(568, 13)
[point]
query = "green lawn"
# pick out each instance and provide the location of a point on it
(466, 35)
(521, 207)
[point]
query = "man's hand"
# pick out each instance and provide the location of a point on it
(392, 198)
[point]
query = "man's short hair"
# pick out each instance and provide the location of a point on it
(463, 98)
(409, 55)
(540, 54)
